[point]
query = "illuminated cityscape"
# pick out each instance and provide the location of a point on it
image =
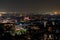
(29, 20)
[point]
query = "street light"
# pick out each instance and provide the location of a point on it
(55, 13)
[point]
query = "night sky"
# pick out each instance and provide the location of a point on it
(29, 5)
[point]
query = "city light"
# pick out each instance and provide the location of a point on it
(3, 12)
(0, 15)
(55, 13)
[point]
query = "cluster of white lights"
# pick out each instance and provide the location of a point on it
(3, 12)
(7, 12)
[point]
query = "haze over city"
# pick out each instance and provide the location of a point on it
(35, 6)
